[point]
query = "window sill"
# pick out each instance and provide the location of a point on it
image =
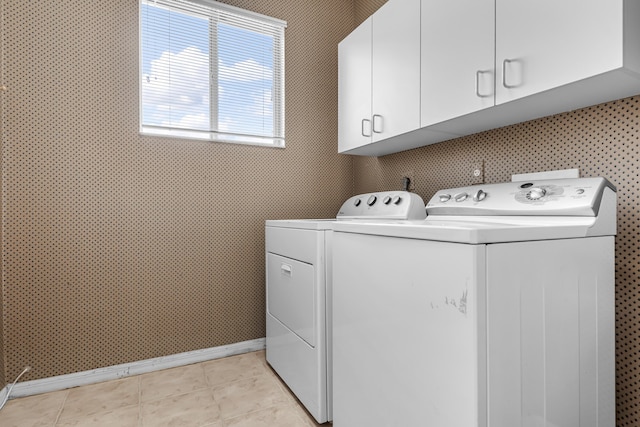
(213, 137)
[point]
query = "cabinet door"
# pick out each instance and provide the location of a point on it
(545, 44)
(457, 55)
(354, 88)
(396, 69)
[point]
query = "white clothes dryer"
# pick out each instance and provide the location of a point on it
(497, 310)
(298, 289)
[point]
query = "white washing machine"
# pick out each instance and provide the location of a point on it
(298, 275)
(497, 310)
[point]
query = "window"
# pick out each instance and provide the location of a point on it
(211, 71)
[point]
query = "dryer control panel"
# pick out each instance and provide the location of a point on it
(554, 197)
(383, 205)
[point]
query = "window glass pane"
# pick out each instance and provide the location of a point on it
(175, 69)
(245, 86)
(211, 71)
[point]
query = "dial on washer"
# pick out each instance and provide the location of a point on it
(536, 193)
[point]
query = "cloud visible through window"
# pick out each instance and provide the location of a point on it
(246, 71)
(177, 96)
(176, 91)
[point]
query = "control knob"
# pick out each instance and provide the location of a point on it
(479, 196)
(386, 200)
(445, 198)
(357, 202)
(372, 200)
(396, 200)
(536, 193)
(460, 197)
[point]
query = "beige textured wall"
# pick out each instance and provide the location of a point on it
(602, 140)
(118, 247)
(2, 347)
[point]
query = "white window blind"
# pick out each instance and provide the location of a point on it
(211, 71)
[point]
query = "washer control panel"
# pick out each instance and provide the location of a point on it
(557, 197)
(383, 205)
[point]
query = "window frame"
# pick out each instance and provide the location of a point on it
(219, 13)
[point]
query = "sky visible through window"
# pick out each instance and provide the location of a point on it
(176, 74)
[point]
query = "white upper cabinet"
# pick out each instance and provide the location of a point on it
(354, 88)
(438, 69)
(457, 57)
(379, 76)
(544, 44)
(396, 69)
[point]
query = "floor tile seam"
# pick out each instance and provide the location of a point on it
(265, 408)
(139, 400)
(259, 363)
(143, 401)
(286, 402)
(161, 372)
(174, 382)
(213, 399)
(304, 414)
(285, 389)
(88, 414)
(206, 388)
(99, 413)
(299, 410)
(226, 383)
(64, 402)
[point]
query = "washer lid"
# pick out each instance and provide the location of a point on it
(480, 230)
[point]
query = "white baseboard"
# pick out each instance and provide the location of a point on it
(61, 382)
(3, 394)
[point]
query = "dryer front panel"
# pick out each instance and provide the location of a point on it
(291, 295)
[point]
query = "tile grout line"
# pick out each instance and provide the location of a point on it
(64, 402)
(139, 400)
(213, 396)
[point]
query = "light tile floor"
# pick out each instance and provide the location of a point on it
(237, 391)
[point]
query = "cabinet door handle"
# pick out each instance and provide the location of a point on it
(504, 73)
(374, 123)
(478, 94)
(286, 269)
(362, 128)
